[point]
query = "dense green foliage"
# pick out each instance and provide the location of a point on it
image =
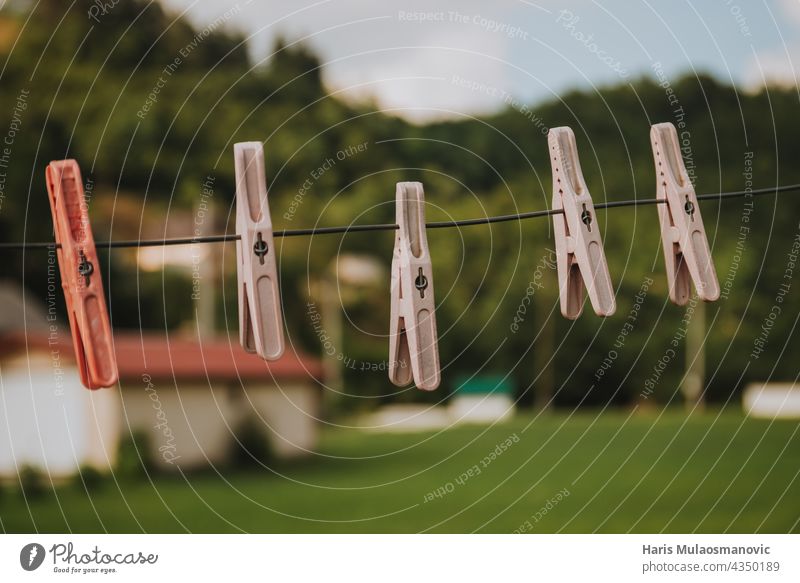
(88, 84)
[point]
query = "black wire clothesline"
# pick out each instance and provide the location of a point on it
(392, 226)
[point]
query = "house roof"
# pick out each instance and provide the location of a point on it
(216, 358)
(165, 357)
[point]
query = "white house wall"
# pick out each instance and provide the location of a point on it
(290, 414)
(186, 427)
(51, 421)
(195, 426)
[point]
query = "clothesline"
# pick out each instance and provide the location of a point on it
(391, 226)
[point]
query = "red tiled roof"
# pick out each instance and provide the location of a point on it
(163, 357)
(218, 358)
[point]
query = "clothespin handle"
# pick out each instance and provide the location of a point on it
(687, 254)
(413, 338)
(260, 314)
(80, 276)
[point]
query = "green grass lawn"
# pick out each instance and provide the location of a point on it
(616, 473)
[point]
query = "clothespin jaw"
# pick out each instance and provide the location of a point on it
(686, 251)
(579, 249)
(260, 315)
(80, 276)
(413, 339)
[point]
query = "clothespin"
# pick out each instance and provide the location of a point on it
(413, 342)
(260, 316)
(80, 276)
(579, 248)
(686, 251)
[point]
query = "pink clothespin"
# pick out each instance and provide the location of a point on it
(260, 316)
(80, 276)
(579, 248)
(686, 251)
(413, 341)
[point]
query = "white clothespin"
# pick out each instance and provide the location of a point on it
(686, 251)
(260, 316)
(579, 248)
(413, 342)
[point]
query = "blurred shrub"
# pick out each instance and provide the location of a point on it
(32, 482)
(89, 478)
(251, 448)
(135, 456)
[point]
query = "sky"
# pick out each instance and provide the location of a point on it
(433, 59)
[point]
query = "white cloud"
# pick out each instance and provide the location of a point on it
(380, 51)
(771, 67)
(791, 8)
(775, 65)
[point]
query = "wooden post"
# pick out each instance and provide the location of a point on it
(694, 378)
